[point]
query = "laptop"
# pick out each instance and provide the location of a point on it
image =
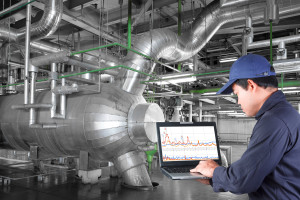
(181, 145)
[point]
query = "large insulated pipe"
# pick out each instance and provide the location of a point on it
(163, 43)
(45, 27)
(27, 53)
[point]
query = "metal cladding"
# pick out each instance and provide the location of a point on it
(163, 43)
(45, 27)
(97, 123)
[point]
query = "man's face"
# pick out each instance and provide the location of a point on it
(247, 100)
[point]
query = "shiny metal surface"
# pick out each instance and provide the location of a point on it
(46, 26)
(27, 53)
(133, 169)
(272, 12)
(275, 41)
(142, 120)
(59, 57)
(233, 3)
(13, 7)
(97, 123)
(32, 111)
(163, 43)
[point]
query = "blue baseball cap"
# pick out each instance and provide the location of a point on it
(248, 66)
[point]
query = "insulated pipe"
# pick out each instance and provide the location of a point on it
(45, 27)
(53, 85)
(90, 65)
(14, 7)
(59, 57)
(27, 52)
(233, 3)
(32, 113)
(163, 43)
(63, 99)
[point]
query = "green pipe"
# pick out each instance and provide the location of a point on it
(179, 66)
(282, 81)
(91, 71)
(129, 24)
(17, 8)
(271, 45)
(205, 90)
(179, 17)
(150, 157)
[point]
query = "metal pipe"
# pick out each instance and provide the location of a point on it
(129, 24)
(200, 111)
(90, 65)
(60, 57)
(190, 113)
(45, 27)
(32, 113)
(163, 43)
(233, 3)
(17, 107)
(132, 50)
(179, 18)
(27, 53)
(276, 41)
(15, 7)
(53, 85)
(63, 99)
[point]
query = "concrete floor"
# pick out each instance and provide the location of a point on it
(65, 186)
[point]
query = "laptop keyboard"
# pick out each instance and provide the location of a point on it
(178, 169)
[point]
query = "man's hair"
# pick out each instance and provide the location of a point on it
(264, 82)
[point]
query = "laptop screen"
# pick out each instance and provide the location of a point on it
(187, 141)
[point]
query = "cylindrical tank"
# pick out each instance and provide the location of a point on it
(104, 124)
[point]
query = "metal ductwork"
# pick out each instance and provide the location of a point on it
(45, 27)
(163, 43)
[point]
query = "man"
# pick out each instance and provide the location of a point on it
(270, 167)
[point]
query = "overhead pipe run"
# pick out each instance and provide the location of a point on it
(45, 27)
(163, 43)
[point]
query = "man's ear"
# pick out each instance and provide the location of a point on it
(252, 85)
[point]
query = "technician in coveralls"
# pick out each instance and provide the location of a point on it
(270, 167)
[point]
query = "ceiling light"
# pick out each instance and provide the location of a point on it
(226, 111)
(230, 59)
(176, 80)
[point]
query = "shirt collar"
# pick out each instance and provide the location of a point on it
(274, 99)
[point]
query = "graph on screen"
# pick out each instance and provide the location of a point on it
(186, 143)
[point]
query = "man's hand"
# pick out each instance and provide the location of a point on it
(206, 168)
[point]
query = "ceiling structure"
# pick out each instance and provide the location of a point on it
(91, 23)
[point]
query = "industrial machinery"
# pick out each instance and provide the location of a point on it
(72, 112)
